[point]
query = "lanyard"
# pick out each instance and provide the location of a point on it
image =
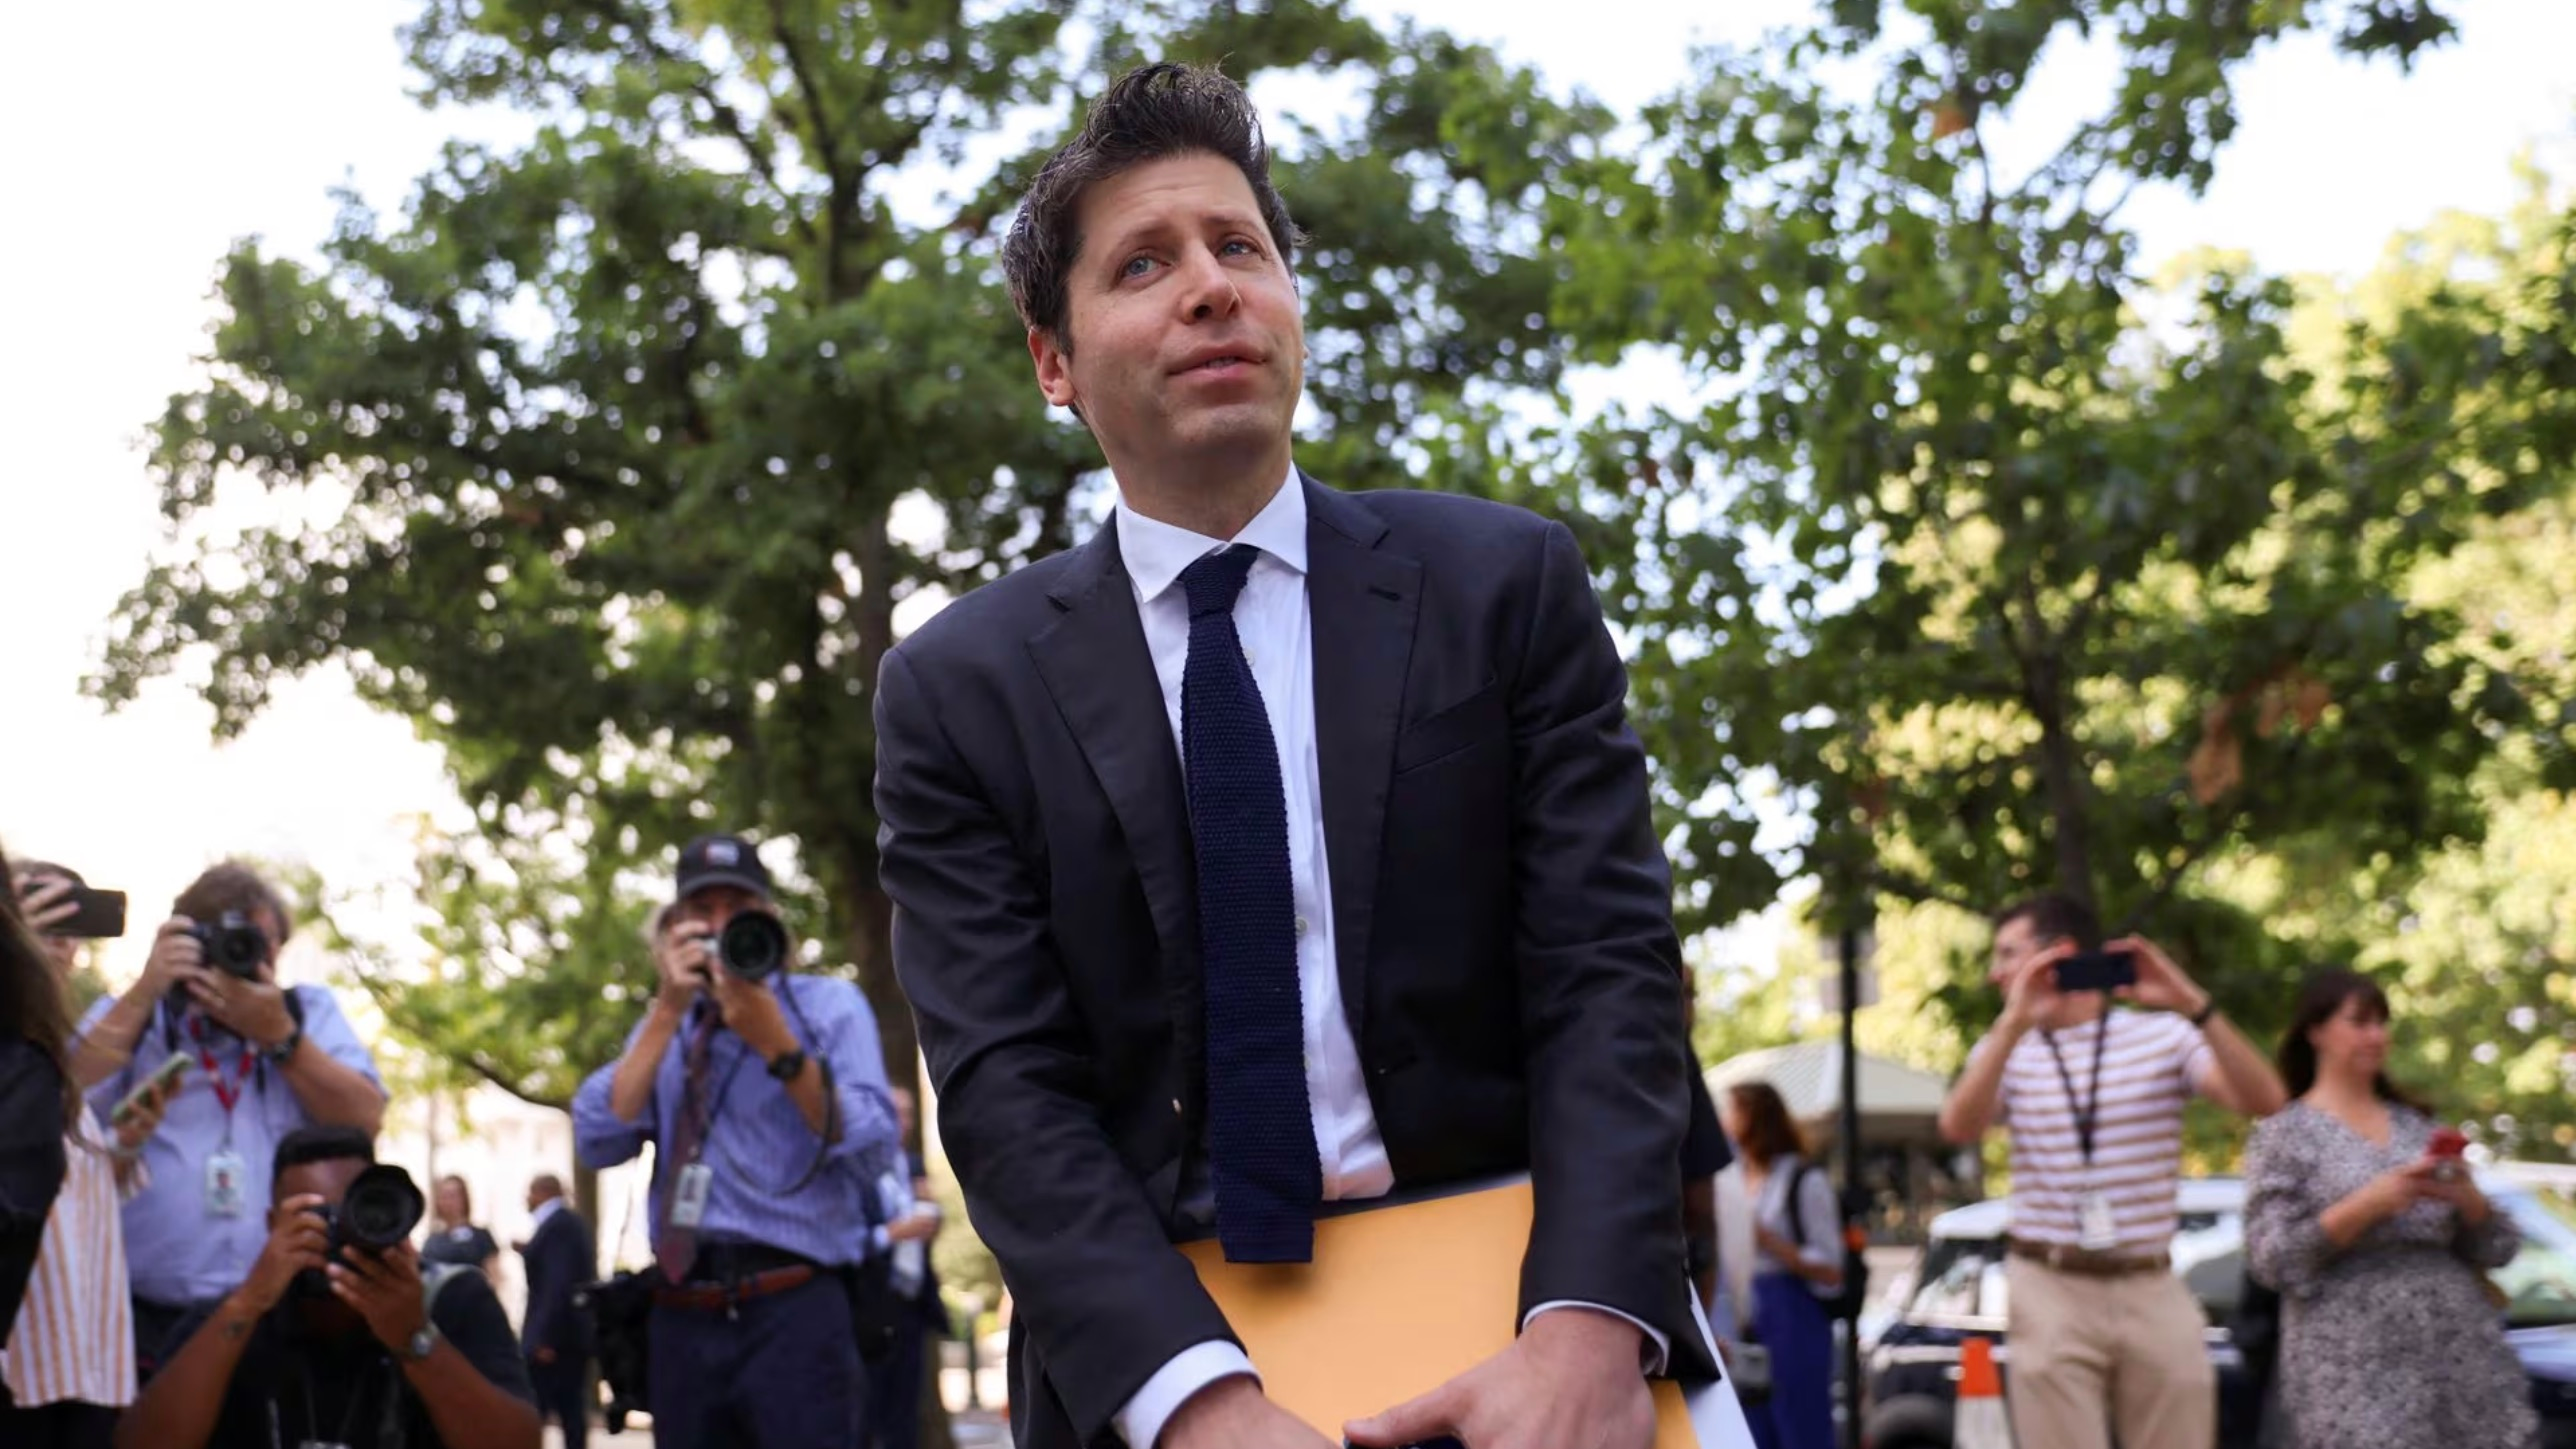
(2087, 1112)
(227, 1094)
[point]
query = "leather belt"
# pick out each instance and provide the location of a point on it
(717, 1297)
(2088, 1262)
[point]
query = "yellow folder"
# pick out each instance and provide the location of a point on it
(1397, 1301)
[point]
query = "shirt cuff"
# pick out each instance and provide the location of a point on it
(1140, 1421)
(1654, 1353)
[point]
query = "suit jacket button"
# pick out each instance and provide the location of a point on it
(1176, 1106)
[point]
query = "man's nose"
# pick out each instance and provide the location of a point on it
(1208, 288)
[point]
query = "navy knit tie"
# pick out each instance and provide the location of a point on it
(1261, 1137)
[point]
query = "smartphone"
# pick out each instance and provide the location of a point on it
(2097, 971)
(170, 1070)
(2444, 1147)
(96, 915)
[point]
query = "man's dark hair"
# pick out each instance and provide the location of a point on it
(1148, 114)
(233, 886)
(2055, 917)
(319, 1144)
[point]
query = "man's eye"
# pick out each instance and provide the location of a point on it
(1237, 246)
(1136, 266)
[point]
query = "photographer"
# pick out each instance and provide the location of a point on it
(348, 1347)
(764, 1093)
(2104, 1334)
(264, 1062)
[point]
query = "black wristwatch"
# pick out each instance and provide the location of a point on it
(787, 1064)
(280, 1052)
(2207, 1010)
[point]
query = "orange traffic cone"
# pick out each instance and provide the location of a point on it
(1981, 1422)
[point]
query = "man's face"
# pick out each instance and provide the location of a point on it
(709, 908)
(2015, 944)
(328, 1180)
(1188, 348)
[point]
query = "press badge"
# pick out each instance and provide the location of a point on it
(2098, 1230)
(225, 1174)
(689, 1198)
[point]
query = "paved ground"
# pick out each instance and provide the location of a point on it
(973, 1431)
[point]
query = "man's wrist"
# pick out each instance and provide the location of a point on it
(2199, 1013)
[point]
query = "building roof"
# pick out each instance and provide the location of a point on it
(1809, 1078)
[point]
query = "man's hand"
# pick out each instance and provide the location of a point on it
(1571, 1381)
(298, 1241)
(2162, 985)
(176, 958)
(916, 1226)
(2033, 994)
(385, 1289)
(541, 1354)
(255, 1011)
(682, 957)
(1232, 1412)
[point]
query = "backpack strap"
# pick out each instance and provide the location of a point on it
(1797, 1215)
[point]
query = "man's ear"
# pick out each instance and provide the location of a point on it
(1055, 367)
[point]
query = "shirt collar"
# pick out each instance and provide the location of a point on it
(545, 1210)
(1156, 552)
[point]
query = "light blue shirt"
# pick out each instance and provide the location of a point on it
(759, 1147)
(177, 1250)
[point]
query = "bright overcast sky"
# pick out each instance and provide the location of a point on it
(145, 138)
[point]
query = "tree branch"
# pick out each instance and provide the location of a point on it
(2220, 832)
(825, 145)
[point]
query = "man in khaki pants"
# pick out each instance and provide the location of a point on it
(2105, 1338)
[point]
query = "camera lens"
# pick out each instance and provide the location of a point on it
(235, 946)
(381, 1209)
(753, 945)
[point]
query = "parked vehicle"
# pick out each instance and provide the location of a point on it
(1911, 1349)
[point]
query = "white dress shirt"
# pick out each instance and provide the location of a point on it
(1277, 629)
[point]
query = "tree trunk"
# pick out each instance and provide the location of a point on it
(2062, 777)
(585, 1200)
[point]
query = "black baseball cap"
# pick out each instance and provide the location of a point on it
(720, 860)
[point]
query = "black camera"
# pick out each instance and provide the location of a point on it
(379, 1211)
(753, 945)
(232, 944)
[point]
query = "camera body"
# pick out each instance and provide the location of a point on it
(232, 944)
(379, 1211)
(752, 946)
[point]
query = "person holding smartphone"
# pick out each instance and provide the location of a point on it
(2104, 1334)
(2358, 1211)
(66, 1340)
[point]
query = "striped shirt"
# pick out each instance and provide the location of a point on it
(2151, 1065)
(74, 1342)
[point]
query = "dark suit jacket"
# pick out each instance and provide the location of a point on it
(1501, 910)
(560, 1258)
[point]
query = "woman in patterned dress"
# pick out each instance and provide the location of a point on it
(2388, 1338)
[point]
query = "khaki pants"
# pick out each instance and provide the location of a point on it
(2095, 1357)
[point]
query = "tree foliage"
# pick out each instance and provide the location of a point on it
(610, 458)
(2002, 564)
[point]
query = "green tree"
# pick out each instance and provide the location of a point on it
(2001, 563)
(611, 460)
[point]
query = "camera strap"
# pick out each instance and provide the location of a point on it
(227, 1094)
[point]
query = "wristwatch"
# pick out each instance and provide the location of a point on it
(2208, 1009)
(280, 1052)
(419, 1345)
(787, 1064)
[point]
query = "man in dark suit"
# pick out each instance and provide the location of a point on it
(555, 1333)
(1276, 846)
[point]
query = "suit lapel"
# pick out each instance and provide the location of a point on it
(1094, 662)
(1363, 604)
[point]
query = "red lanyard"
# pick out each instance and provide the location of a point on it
(227, 1095)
